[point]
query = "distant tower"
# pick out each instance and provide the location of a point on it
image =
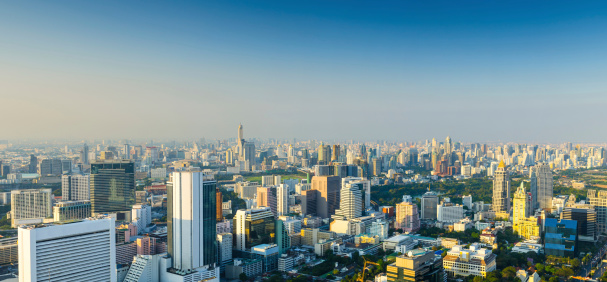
(240, 134)
(501, 189)
(544, 186)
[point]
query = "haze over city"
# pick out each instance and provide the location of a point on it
(475, 70)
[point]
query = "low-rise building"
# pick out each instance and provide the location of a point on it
(475, 261)
(416, 265)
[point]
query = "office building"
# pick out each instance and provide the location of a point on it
(282, 236)
(417, 265)
(267, 197)
(75, 187)
(254, 227)
(141, 216)
(429, 205)
(543, 175)
(71, 210)
(282, 199)
(218, 205)
(475, 261)
(351, 203)
(560, 238)
(450, 213)
(467, 201)
(79, 251)
(365, 187)
(586, 218)
(33, 165)
(501, 190)
(84, 154)
(50, 167)
(407, 218)
(598, 199)
(30, 204)
(224, 243)
(9, 251)
(112, 186)
(521, 205)
(191, 221)
(328, 199)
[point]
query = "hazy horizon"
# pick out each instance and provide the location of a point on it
(511, 71)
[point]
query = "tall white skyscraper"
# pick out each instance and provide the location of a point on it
(191, 221)
(75, 187)
(365, 186)
(282, 197)
(79, 251)
(350, 205)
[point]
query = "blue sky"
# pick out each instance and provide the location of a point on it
(529, 71)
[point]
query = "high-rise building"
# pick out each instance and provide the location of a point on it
(218, 205)
(521, 205)
(141, 216)
(599, 200)
(586, 218)
(282, 199)
(112, 186)
(282, 236)
(407, 218)
(533, 189)
(560, 238)
(448, 212)
(50, 167)
(84, 154)
(78, 251)
(543, 176)
(364, 185)
(75, 187)
(30, 204)
(191, 220)
(267, 197)
(501, 190)
(351, 203)
(254, 227)
(248, 155)
(324, 154)
(33, 166)
(329, 198)
(377, 169)
(224, 243)
(429, 204)
(417, 265)
(335, 153)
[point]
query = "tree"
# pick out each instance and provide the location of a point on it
(575, 263)
(243, 277)
(539, 267)
(477, 279)
(335, 271)
(509, 272)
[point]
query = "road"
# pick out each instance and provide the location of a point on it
(595, 261)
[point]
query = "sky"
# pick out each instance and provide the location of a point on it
(523, 71)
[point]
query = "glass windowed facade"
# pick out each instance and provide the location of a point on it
(112, 186)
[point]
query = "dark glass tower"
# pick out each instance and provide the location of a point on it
(112, 186)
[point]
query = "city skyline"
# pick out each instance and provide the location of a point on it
(516, 71)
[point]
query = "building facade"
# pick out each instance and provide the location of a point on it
(112, 186)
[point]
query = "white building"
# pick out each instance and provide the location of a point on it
(365, 186)
(350, 205)
(145, 268)
(448, 212)
(292, 225)
(31, 204)
(475, 261)
(79, 251)
(224, 243)
(158, 172)
(285, 263)
(467, 201)
(141, 216)
(193, 230)
(379, 228)
(75, 187)
(282, 199)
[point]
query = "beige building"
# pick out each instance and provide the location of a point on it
(475, 261)
(501, 189)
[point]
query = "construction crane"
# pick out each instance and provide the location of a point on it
(362, 277)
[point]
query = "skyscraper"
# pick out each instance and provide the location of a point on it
(282, 199)
(429, 205)
(84, 154)
(351, 203)
(112, 186)
(533, 189)
(33, 166)
(407, 218)
(267, 197)
(598, 198)
(328, 198)
(521, 206)
(191, 220)
(543, 176)
(78, 251)
(501, 189)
